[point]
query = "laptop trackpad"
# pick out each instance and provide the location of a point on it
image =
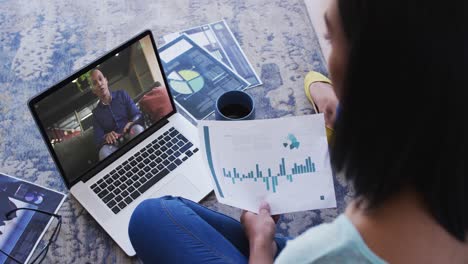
(178, 186)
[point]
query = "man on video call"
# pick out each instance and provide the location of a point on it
(115, 118)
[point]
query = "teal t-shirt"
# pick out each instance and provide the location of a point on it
(336, 242)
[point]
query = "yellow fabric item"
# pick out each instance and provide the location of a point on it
(310, 78)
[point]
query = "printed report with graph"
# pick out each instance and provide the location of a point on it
(284, 162)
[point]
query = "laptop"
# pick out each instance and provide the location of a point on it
(116, 137)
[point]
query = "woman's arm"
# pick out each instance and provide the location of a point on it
(260, 230)
(262, 252)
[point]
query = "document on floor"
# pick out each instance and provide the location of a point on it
(219, 40)
(195, 77)
(21, 232)
(284, 162)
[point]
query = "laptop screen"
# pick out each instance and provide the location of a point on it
(103, 108)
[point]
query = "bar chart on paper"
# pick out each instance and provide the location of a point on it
(288, 167)
(271, 179)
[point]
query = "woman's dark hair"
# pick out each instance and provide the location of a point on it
(403, 113)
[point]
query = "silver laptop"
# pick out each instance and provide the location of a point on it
(115, 135)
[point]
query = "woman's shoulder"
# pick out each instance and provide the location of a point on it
(336, 242)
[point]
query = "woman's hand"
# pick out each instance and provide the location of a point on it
(260, 230)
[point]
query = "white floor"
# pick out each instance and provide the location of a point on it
(316, 9)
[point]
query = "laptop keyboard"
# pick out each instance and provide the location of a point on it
(141, 171)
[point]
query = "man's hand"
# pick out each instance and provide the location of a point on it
(260, 230)
(111, 137)
(127, 127)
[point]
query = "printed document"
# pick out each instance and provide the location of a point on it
(284, 162)
(195, 77)
(218, 39)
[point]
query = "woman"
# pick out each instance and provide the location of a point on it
(397, 68)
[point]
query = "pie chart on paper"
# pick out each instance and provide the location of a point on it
(186, 81)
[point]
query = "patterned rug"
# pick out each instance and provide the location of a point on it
(42, 42)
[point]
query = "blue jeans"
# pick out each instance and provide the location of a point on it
(177, 230)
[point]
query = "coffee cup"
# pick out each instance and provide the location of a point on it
(234, 105)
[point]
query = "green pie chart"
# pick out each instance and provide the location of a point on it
(186, 81)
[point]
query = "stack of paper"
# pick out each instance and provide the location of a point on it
(203, 62)
(21, 232)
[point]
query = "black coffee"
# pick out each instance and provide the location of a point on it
(235, 111)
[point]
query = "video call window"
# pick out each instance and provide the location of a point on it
(90, 118)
